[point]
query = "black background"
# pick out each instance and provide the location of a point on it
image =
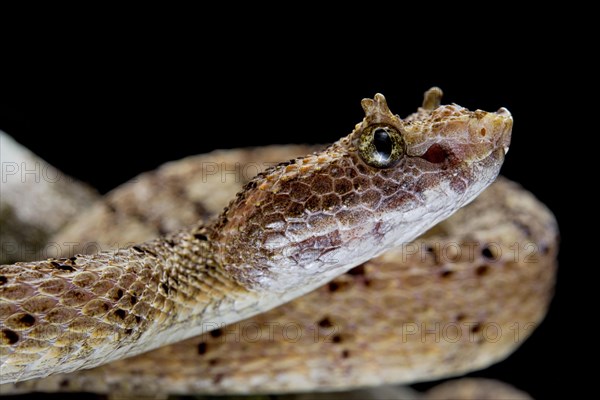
(105, 117)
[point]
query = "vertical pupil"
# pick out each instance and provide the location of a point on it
(382, 142)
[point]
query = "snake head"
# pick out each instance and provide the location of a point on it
(442, 143)
(303, 222)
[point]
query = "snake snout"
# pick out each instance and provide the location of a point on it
(494, 130)
(504, 122)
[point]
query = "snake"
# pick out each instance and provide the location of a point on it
(381, 186)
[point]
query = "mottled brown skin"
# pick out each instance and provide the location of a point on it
(368, 322)
(93, 309)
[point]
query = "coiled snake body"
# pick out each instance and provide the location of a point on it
(291, 229)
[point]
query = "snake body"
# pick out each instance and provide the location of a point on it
(395, 319)
(291, 229)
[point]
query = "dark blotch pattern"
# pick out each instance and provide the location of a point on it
(200, 236)
(357, 271)
(61, 266)
(27, 320)
(325, 323)
(9, 336)
(446, 273)
(482, 270)
(165, 288)
(487, 253)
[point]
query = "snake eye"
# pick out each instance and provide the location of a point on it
(381, 146)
